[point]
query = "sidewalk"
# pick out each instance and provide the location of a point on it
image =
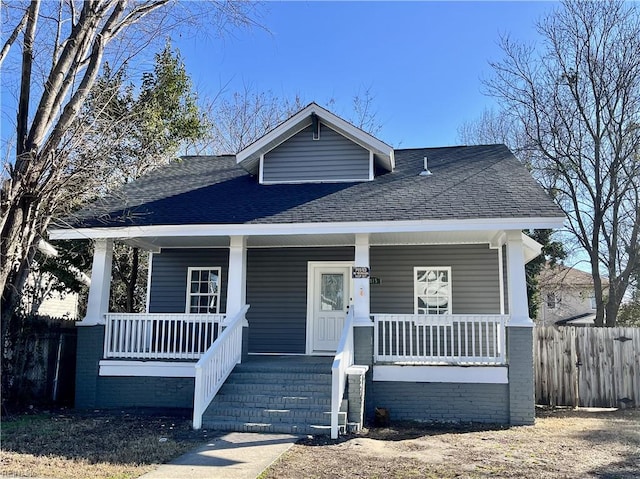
(236, 455)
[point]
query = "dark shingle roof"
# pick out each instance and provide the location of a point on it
(468, 182)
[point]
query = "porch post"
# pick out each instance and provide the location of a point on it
(237, 280)
(519, 336)
(517, 281)
(98, 302)
(361, 305)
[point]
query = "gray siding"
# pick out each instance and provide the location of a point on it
(301, 158)
(474, 274)
(169, 276)
(277, 293)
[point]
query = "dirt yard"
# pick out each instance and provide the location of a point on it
(124, 445)
(562, 444)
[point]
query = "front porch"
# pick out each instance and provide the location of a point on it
(406, 348)
(421, 314)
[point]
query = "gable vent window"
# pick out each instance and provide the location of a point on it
(315, 124)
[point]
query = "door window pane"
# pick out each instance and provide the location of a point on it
(332, 292)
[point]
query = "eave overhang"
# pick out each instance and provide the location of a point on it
(252, 229)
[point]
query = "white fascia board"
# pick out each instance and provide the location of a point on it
(274, 134)
(406, 226)
(271, 141)
(361, 137)
(162, 369)
(306, 182)
(442, 374)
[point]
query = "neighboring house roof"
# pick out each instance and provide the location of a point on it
(585, 319)
(467, 182)
(561, 276)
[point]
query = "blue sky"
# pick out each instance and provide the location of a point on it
(423, 61)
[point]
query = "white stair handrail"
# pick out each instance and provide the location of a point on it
(341, 362)
(214, 367)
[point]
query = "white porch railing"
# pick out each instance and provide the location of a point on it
(216, 364)
(341, 362)
(159, 336)
(458, 339)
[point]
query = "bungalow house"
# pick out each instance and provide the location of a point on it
(316, 275)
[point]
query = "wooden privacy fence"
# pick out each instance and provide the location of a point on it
(589, 367)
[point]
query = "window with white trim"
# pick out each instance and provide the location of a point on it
(203, 289)
(432, 289)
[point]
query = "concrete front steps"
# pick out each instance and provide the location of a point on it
(286, 394)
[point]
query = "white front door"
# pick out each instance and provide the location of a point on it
(329, 297)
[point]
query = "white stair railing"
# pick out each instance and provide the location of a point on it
(214, 367)
(341, 362)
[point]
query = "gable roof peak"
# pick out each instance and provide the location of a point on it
(249, 157)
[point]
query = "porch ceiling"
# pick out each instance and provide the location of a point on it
(299, 240)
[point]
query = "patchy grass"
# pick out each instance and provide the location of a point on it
(563, 444)
(74, 445)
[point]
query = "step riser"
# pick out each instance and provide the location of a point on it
(266, 399)
(283, 399)
(269, 428)
(272, 415)
(284, 377)
(226, 403)
(275, 389)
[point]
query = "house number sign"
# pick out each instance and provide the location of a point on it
(360, 272)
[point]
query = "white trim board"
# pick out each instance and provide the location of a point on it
(442, 374)
(164, 369)
(408, 226)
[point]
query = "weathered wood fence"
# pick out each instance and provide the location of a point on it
(588, 367)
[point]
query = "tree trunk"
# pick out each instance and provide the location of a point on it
(133, 281)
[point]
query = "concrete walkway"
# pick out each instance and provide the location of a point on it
(236, 455)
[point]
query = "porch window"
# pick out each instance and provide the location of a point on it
(203, 290)
(432, 290)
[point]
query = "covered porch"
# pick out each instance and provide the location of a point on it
(391, 342)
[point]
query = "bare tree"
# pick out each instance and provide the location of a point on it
(494, 126)
(578, 99)
(365, 116)
(63, 45)
(241, 117)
